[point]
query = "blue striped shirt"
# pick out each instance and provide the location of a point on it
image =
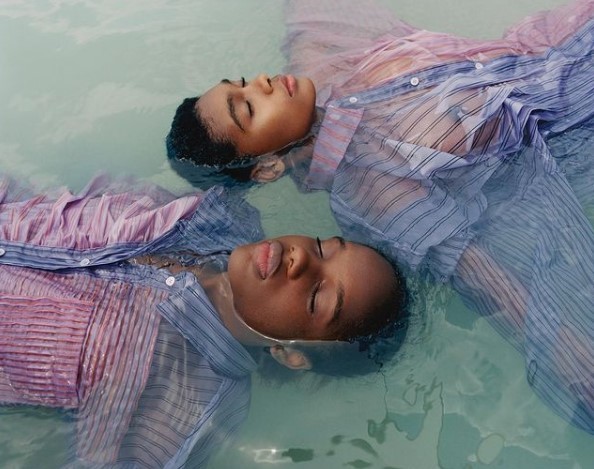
(469, 160)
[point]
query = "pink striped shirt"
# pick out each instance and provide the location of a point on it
(348, 47)
(93, 339)
(140, 354)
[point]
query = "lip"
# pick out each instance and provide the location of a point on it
(267, 257)
(289, 82)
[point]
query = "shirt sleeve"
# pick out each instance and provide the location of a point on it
(182, 418)
(531, 277)
(318, 30)
(549, 28)
(104, 213)
(345, 47)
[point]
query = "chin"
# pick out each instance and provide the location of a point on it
(311, 83)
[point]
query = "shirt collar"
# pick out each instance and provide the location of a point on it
(335, 133)
(194, 316)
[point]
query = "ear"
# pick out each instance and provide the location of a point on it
(268, 168)
(290, 357)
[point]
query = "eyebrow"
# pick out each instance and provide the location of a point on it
(231, 106)
(340, 290)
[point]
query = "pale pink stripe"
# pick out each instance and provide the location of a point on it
(114, 382)
(342, 57)
(36, 365)
(96, 217)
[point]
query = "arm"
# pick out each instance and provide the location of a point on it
(482, 276)
(318, 26)
(557, 348)
(318, 32)
(549, 28)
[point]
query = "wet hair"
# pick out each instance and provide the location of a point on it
(189, 139)
(204, 177)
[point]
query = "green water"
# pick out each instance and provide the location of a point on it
(92, 85)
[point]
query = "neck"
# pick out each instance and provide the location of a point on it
(218, 290)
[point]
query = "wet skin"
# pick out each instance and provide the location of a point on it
(295, 287)
(259, 116)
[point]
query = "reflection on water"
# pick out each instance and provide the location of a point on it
(92, 85)
(454, 397)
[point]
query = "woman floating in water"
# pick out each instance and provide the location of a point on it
(132, 308)
(470, 159)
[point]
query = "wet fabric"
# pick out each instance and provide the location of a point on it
(138, 356)
(471, 160)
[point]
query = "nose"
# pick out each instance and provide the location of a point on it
(298, 260)
(263, 82)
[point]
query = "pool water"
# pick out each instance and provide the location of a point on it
(91, 85)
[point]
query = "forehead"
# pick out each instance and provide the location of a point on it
(367, 279)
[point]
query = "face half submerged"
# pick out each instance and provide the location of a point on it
(296, 287)
(259, 116)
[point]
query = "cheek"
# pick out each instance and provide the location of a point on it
(277, 315)
(245, 298)
(303, 122)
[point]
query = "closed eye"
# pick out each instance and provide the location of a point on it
(312, 300)
(249, 105)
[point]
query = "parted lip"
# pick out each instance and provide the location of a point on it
(289, 83)
(267, 258)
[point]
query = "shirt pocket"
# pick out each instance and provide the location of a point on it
(41, 339)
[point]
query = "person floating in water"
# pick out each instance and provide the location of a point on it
(468, 159)
(135, 310)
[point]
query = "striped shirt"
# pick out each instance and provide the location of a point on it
(138, 355)
(467, 159)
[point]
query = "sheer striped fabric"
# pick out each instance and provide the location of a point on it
(69, 330)
(138, 357)
(469, 159)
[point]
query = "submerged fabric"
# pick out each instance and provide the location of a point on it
(469, 159)
(139, 356)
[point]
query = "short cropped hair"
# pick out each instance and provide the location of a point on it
(189, 139)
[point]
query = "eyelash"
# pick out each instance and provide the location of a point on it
(320, 247)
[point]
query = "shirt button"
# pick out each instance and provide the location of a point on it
(84, 262)
(170, 281)
(353, 100)
(2, 252)
(478, 65)
(414, 81)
